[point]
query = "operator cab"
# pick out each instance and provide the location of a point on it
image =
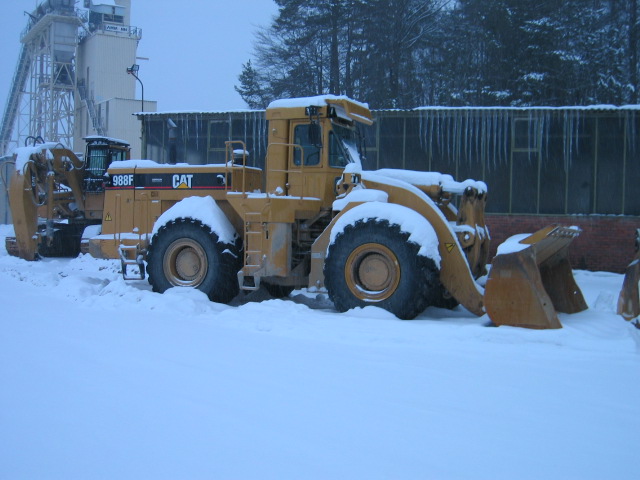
(100, 153)
(311, 141)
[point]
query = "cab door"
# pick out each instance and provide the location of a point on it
(306, 162)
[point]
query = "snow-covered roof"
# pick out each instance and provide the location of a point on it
(567, 107)
(595, 108)
(196, 112)
(91, 138)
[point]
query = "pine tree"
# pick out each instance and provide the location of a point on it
(252, 88)
(404, 53)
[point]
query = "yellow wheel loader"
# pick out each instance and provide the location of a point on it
(399, 240)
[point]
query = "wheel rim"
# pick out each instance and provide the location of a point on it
(185, 263)
(372, 272)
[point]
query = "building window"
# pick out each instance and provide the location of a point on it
(218, 134)
(525, 134)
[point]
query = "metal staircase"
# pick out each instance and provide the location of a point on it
(13, 102)
(96, 121)
(45, 75)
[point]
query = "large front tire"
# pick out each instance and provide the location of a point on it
(186, 253)
(373, 263)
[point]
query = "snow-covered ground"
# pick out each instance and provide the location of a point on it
(103, 379)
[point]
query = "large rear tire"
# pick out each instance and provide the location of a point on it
(373, 263)
(186, 253)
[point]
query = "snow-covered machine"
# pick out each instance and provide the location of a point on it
(400, 240)
(54, 195)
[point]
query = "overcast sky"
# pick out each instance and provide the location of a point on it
(196, 48)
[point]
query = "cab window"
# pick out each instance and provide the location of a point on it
(311, 152)
(97, 161)
(337, 155)
(118, 155)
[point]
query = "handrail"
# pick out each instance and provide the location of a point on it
(96, 121)
(229, 161)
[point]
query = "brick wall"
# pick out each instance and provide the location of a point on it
(607, 243)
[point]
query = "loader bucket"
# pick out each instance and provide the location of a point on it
(629, 299)
(531, 280)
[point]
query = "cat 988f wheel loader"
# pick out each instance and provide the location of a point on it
(400, 240)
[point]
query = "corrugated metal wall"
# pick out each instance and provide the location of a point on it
(554, 161)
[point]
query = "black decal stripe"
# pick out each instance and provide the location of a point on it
(164, 181)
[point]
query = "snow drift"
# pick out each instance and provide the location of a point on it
(102, 378)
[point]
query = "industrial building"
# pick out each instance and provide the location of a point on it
(106, 66)
(76, 76)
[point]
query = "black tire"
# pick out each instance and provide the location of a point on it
(277, 291)
(187, 253)
(373, 263)
(444, 300)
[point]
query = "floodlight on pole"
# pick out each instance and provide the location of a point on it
(133, 70)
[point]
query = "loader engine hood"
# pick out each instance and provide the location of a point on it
(429, 179)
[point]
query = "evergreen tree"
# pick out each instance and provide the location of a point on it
(252, 89)
(405, 53)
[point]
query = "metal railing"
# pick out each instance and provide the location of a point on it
(229, 161)
(127, 30)
(96, 121)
